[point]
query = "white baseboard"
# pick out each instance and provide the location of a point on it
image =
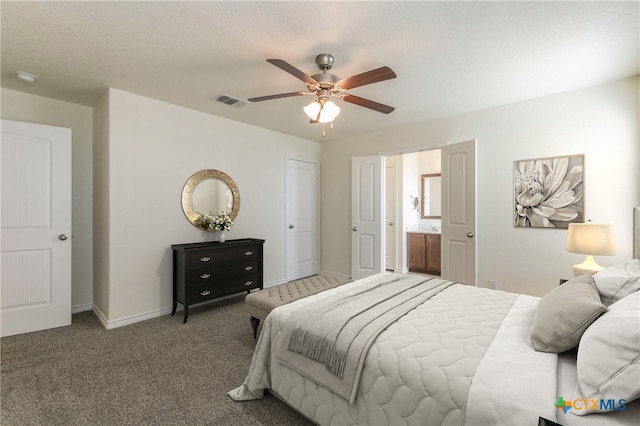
(130, 319)
(273, 283)
(100, 316)
(81, 308)
(151, 314)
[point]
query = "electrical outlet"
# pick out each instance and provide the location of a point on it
(493, 284)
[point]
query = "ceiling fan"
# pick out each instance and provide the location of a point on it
(325, 86)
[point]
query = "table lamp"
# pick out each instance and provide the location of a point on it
(590, 239)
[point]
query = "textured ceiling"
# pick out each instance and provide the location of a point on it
(450, 57)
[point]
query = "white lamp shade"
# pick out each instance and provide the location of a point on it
(312, 110)
(591, 238)
(329, 112)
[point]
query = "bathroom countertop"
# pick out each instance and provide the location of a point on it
(423, 231)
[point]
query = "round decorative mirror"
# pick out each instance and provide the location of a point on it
(209, 191)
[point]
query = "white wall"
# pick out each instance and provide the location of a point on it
(101, 207)
(430, 161)
(600, 122)
(153, 148)
(20, 106)
(411, 190)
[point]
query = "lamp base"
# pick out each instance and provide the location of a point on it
(589, 267)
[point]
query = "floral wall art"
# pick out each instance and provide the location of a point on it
(549, 192)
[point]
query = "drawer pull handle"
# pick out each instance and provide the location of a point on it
(248, 283)
(205, 276)
(204, 293)
(248, 268)
(205, 259)
(248, 253)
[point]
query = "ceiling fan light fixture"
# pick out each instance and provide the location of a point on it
(322, 113)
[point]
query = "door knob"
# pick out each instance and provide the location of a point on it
(390, 223)
(291, 226)
(355, 229)
(62, 237)
(470, 234)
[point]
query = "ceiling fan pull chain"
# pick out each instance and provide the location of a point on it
(330, 128)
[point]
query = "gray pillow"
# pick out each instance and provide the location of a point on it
(618, 281)
(564, 314)
(608, 363)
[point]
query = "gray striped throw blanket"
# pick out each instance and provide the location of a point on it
(343, 325)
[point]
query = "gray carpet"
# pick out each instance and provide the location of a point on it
(156, 372)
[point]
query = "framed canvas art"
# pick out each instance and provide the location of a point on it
(548, 192)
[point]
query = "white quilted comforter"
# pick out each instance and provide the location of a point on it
(428, 368)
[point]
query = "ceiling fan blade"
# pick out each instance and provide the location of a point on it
(285, 66)
(369, 77)
(385, 109)
(281, 95)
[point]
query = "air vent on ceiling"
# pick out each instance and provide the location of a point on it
(230, 100)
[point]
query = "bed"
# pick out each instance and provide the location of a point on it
(446, 353)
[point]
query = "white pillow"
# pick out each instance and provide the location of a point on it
(564, 314)
(608, 363)
(618, 281)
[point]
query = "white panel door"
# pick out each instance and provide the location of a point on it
(390, 217)
(302, 219)
(35, 222)
(459, 212)
(367, 217)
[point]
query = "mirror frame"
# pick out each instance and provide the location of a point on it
(422, 212)
(192, 183)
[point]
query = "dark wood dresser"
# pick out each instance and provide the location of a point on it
(205, 271)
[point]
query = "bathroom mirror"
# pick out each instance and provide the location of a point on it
(210, 191)
(431, 195)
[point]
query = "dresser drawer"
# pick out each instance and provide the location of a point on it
(237, 284)
(205, 275)
(216, 257)
(200, 293)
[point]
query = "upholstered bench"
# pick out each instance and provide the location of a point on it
(259, 303)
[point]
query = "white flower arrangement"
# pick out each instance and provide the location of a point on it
(222, 222)
(214, 221)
